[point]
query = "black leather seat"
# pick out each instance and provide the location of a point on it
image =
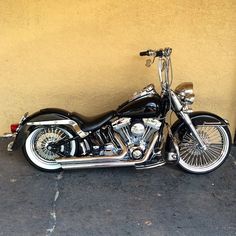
(92, 123)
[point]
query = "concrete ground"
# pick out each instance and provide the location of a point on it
(121, 201)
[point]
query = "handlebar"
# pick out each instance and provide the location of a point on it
(163, 65)
(159, 53)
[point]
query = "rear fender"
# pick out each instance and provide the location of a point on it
(47, 114)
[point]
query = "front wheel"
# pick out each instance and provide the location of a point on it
(193, 158)
(37, 153)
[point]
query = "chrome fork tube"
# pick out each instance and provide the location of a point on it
(188, 121)
(178, 108)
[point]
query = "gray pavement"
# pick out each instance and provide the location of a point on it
(121, 201)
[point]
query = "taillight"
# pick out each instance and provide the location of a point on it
(14, 127)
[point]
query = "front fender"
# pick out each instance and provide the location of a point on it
(197, 119)
(209, 117)
(41, 115)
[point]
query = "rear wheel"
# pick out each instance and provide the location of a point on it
(193, 158)
(37, 151)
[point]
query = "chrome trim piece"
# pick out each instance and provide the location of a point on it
(21, 121)
(187, 109)
(147, 91)
(23, 117)
(121, 123)
(137, 129)
(189, 99)
(212, 123)
(152, 122)
(226, 121)
(8, 135)
(171, 156)
(69, 122)
(9, 146)
(177, 105)
(167, 52)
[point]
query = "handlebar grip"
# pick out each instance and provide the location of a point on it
(152, 53)
(144, 53)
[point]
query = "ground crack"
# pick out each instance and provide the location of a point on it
(53, 212)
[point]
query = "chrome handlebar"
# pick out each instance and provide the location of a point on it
(163, 65)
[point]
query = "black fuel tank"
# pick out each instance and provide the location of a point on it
(142, 107)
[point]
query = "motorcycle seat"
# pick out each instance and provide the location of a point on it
(92, 123)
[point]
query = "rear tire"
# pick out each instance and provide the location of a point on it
(35, 147)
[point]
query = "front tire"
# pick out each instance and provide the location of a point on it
(199, 161)
(35, 147)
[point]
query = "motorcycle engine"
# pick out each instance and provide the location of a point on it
(136, 133)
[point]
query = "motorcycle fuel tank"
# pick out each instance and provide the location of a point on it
(141, 107)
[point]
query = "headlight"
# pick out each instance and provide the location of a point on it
(185, 93)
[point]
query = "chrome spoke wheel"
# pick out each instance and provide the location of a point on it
(43, 139)
(197, 160)
(38, 149)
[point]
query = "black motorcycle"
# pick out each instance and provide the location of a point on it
(133, 135)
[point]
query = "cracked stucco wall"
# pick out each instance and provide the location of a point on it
(83, 55)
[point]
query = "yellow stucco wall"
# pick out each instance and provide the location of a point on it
(83, 55)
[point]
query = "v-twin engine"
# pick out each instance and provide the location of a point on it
(136, 133)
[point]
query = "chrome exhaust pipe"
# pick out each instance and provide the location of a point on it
(96, 165)
(106, 161)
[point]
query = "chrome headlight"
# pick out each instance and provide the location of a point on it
(185, 93)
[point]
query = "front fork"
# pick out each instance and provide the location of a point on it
(179, 110)
(188, 121)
